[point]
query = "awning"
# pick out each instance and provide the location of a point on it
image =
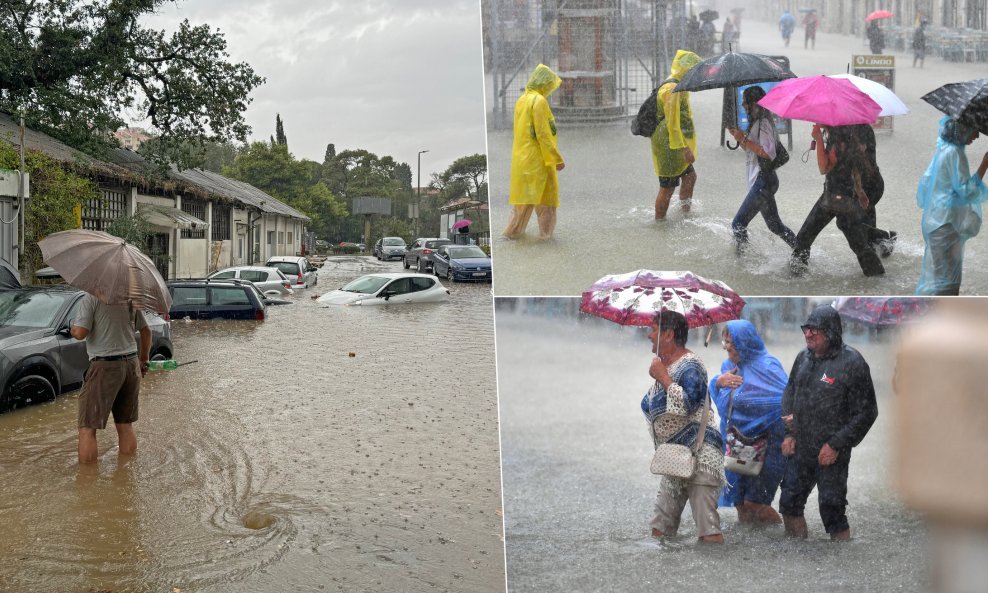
(170, 217)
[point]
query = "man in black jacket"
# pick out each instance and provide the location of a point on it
(829, 406)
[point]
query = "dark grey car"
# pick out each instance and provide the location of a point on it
(419, 254)
(38, 357)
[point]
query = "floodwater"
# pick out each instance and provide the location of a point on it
(279, 462)
(578, 494)
(606, 219)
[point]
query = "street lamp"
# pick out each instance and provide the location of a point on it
(418, 193)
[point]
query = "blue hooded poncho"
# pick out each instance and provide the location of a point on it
(950, 197)
(757, 409)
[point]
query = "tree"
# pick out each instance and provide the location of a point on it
(73, 66)
(272, 169)
(466, 175)
(279, 130)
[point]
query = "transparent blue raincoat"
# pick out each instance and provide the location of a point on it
(950, 197)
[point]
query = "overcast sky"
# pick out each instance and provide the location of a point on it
(391, 76)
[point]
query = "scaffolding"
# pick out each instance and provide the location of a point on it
(610, 54)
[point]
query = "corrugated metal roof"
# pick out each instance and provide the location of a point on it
(126, 165)
(171, 217)
(10, 130)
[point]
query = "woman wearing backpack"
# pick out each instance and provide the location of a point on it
(760, 143)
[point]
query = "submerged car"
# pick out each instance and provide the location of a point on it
(419, 254)
(384, 289)
(462, 263)
(218, 299)
(299, 271)
(270, 281)
(39, 359)
(389, 247)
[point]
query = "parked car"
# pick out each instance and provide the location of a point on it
(270, 281)
(389, 288)
(300, 272)
(462, 263)
(218, 299)
(39, 359)
(420, 253)
(389, 247)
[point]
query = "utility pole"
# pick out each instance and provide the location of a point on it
(418, 194)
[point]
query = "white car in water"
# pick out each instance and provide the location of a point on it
(387, 289)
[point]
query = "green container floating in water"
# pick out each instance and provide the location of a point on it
(162, 365)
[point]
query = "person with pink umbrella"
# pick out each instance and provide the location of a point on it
(835, 106)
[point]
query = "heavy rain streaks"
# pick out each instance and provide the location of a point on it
(278, 461)
(607, 190)
(579, 495)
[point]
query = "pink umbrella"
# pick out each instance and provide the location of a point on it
(635, 298)
(878, 14)
(822, 100)
(461, 223)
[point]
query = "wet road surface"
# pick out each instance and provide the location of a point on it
(607, 190)
(278, 462)
(579, 495)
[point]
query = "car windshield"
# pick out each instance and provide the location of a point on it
(366, 284)
(465, 251)
(437, 243)
(287, 268)
(29, 309)
(394, 242)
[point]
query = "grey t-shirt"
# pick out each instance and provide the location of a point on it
(111, 327)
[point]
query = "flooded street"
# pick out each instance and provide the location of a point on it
(579, 495)
(607, 191)
(323, 449)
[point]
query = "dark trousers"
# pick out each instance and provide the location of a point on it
(875, 192)
(802, 475)
(852, 224)
(761, 200)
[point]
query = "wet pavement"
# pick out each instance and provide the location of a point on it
(606, 220)
(323, 449)
(579, 495)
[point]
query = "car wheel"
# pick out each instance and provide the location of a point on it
(404, 262)
(30, 389)
(418, 266)
(449, 274)
(158, 356)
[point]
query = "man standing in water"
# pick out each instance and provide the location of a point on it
(113, 380)
(829, 406)
(674, 139)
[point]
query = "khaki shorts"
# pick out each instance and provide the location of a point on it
(702, 493)
(109, 385)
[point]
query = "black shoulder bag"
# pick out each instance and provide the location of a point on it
(647, 120)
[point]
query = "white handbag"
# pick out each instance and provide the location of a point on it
(679, 461)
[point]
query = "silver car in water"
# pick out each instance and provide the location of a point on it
(270, 281)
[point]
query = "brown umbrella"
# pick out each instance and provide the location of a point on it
(108, 268)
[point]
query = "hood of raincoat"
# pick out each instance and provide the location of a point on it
(828, 319)
(954, 131)
(543, 80)
(746, 340)
(682, 63)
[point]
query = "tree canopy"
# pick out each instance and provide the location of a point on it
(73, 66)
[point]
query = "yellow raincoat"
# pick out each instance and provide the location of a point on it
(675, 129)
(534, 154)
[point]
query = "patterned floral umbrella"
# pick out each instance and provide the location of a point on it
(635, 298)
(882, 311)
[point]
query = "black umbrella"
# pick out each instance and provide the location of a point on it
(9, 277)
(733, 70)
(967, 102)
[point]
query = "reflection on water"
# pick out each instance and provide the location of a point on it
(578, 493)
(278, 462)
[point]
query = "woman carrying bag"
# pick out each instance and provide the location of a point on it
(675, 407)
(748, 396)
(762, 145)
